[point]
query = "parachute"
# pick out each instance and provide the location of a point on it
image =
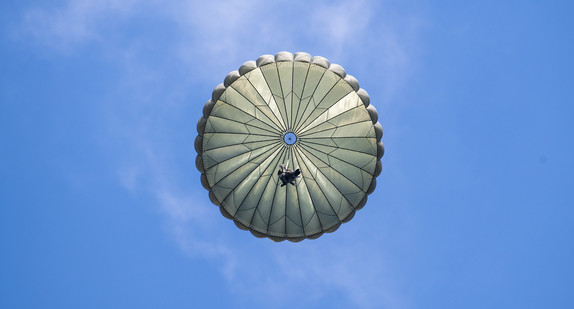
(299, 111)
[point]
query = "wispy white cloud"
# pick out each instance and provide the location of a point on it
(230, 32)
(342, 24)
(360, 273)
(77, 22)
(222, 34)
(189, 217)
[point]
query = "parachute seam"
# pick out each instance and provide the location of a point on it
(309, 141)
(233, 191)
(295, 119)
(286, 119)
(241, 133)
(294, 149)
(323, 193)
(298, 154)
(248, 124)
(361, 190)
(323, 98)
(272, 203)
(271, 149)
(292, 94)
(338, 127)
(328, 154)
(290, 150)
(287, 186)
(252, 116)
(338, 137)
(345, 177)
(259, 201)
(251, 189)
(242, 143)
(327, 120)
(246, 195)
(307, 128)
(256, 106)
(278, 123)
(250, 150)
(311, 96)
(272, 95)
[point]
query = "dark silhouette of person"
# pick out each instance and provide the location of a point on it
(287, 176)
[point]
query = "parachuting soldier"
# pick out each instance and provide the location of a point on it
(287, 176)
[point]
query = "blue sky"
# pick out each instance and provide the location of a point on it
(101, 204)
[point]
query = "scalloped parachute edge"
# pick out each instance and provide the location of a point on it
(280, 57)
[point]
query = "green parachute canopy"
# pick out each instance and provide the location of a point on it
(296, 110)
